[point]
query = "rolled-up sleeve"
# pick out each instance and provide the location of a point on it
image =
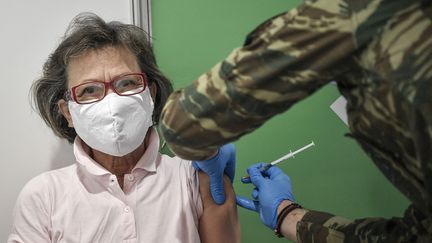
(320, 227)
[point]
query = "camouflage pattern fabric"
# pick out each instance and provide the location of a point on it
(380, 53)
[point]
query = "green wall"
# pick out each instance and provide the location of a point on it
(334, 176)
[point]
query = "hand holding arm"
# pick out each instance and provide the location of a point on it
(222, 163)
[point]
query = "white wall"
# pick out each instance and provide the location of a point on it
(29, 32)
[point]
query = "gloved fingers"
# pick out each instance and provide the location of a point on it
(217, 188)
(273, 172)
(247, 179)
(255, 193)
(247, 203)
(255, 174)
(258, 165)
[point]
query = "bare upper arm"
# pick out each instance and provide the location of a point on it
(218, 223)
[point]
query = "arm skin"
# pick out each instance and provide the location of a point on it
(218, 223)
(289, 225)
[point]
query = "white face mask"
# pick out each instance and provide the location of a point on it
(115, 125)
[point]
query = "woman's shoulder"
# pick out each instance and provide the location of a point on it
(43, 184)
(177, 164)
(174, 159)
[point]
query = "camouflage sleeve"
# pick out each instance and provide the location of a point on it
(319, 227)
(282, 61)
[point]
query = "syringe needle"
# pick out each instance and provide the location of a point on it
(291, 154)
(283, 158)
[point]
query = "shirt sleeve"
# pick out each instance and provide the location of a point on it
(31, 219)
(193, 185)
(319, 227)
(283, 61)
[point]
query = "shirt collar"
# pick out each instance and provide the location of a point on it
(146, 162)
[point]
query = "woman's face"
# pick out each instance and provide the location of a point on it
(99, 65)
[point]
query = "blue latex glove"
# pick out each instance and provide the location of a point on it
(272, 187)
(223, 162)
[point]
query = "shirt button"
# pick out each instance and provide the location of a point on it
(126, 209)
(130, 177)
(112, 180)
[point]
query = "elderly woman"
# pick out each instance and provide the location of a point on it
(102, 91)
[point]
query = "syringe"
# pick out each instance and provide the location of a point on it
(283, 158)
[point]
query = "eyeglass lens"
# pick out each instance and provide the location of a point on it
(94, 91)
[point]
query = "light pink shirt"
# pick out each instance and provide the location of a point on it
(84, 202)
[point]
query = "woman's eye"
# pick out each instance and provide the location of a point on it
(125, 83)
(89, 90)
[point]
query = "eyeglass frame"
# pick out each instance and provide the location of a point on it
(71, 95)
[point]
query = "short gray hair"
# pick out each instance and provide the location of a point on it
(88, 31)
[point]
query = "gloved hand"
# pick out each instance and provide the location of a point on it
(272, 187)
(215, 167)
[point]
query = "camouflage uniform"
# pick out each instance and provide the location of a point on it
(380, 53)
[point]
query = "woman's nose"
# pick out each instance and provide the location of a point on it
(109, 91)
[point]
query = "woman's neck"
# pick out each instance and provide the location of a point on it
(119, 166)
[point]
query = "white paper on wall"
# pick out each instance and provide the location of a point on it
(339, 107)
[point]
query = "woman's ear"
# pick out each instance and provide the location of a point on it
(64, 109)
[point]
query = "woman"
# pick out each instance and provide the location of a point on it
(102, 91)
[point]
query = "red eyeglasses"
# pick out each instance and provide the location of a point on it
(93, 91)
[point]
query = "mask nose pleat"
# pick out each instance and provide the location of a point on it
(116, 124)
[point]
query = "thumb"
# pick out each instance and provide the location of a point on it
(273, 172)
(229, 155)
(230, 170)
(247, 203)
(217, 188)
(255, 176)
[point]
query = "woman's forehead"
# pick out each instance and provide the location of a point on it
(101, 64)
